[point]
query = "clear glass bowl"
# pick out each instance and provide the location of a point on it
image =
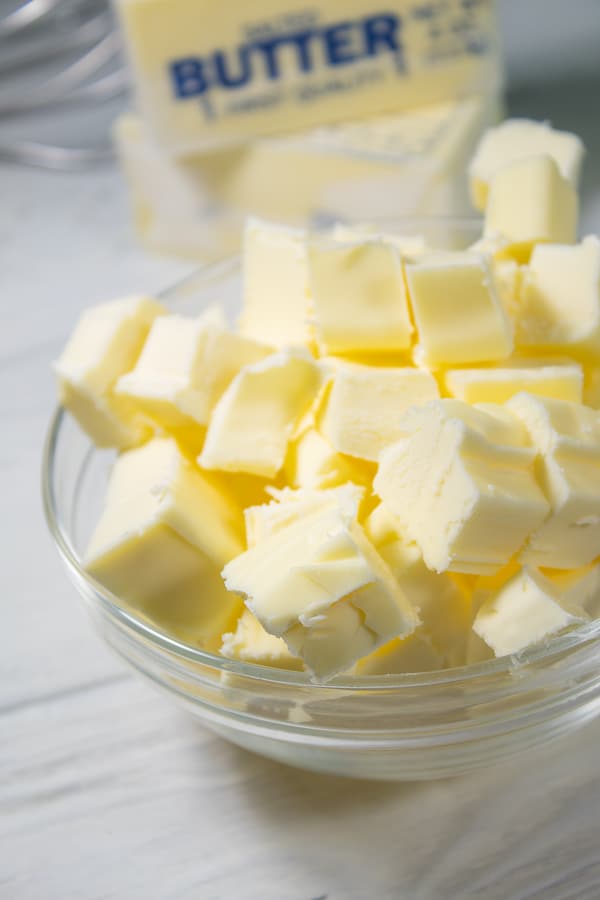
(403, 727)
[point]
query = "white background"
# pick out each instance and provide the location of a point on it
(106, 790)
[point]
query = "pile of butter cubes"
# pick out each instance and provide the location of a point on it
(393, 465)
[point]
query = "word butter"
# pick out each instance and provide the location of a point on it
(207, 76)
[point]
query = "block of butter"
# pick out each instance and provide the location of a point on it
(321, 586)
(530, 201)
(254, 420)
(567, 438)
(250, 642)
(527, 609)
(184, 368)
(443, 604)
(104, 346)
(206, 76)
(364, 406)
(517, 139)
(164, 535)
(463, 485)
(560, 299)
(458, 312)
(562, 379)
(401, 165)
(312, 462)
(358, 297)
(289, 506)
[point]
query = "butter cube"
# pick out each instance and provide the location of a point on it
(562, 380)
(358, 297)
(567, 438)
(251, 643)
(529, 201)
(105, 345)
(410, 654)
(255, 418)
(580, 587)
(164, 535)
(517, 139)
(184, 368)
(458, 312)
(560, 298)
(526, 610)
(321, 586)
(289, 506)
(463, 486)
(312, 462)
(364, 406)
(444, 606)
(275, 285)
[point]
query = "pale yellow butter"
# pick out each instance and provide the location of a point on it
(567, 438)
(185, 367)
(364, 406)
(444, 606)
(529, 201)
(254, 420)
(560, 298)
(164, 535)
(497, 384)
(289, 506)
(517, 139)
(463, 486)
(359, 299)
(320, 585)
(105, 345)
(251, 643)
(312, 462)
(458, 312)
(275, 304)
(526, 610)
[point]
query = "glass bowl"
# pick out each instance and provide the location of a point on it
(396, 727)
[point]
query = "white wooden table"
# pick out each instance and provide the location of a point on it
(106, 790)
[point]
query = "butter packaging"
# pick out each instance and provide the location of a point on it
(209, 75)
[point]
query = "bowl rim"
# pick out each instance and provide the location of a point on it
(544, 652)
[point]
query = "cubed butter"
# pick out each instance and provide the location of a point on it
(443, 604)
(164, 535)
(497, 384)
(184, 368)
(458, 312)
(364, 406)
(312, 462)
(251, 643)
(275, 285)
(254, 420)
(358, 297)
(289, 506)
(463, 486)
(567, 438)
(105, 345)
(529, 202)
(321, 586)
(560, 298)
(517, 139)
(528, 609)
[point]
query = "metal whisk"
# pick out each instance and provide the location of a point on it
(54, 54)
